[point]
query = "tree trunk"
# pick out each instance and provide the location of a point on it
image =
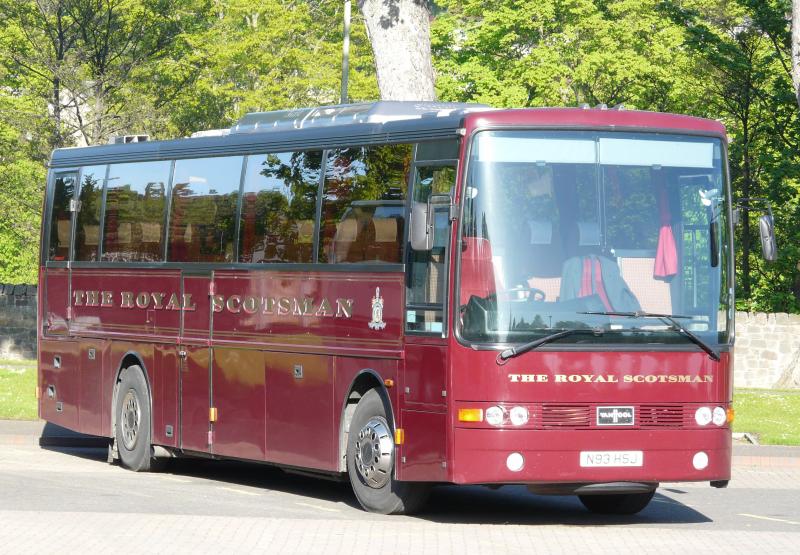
(796, 48)
(399, 31)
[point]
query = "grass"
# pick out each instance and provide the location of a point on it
(18, 389)
(773, 415)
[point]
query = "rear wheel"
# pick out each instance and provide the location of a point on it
(370, 462)
(133, 421)
(618, 503)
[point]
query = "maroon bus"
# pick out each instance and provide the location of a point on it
(403, 293)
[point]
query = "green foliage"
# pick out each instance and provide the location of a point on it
(771, 415)
(557, 52)
(18, 389)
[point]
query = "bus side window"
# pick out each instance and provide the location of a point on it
(363, 204)
(134, 212)
(428, 269)
(87, 224)
(279, 206)
(61, 218)
(202, 222)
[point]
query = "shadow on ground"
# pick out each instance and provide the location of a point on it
(448, 504)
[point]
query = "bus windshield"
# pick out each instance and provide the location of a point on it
(561, 228)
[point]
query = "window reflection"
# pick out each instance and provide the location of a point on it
(135, 202)
(87, 231)
(363, 207)
(205, 196)
(278, 207)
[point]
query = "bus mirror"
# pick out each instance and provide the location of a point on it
(421, 226)
(766, 229)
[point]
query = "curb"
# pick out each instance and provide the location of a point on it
(45, 434)
(777, 463)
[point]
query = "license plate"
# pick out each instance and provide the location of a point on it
(612, 458)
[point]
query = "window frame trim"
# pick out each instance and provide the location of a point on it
(407, 250)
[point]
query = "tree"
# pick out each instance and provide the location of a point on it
(83, 56)
(796, 48)
(259, 55)
(399, 31)
(558, 52)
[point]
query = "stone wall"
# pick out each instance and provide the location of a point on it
(17, 321)
(767, 350)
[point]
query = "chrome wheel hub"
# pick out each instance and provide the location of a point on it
(374, 450)
(130, 419)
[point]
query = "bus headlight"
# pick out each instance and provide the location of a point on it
(719, 416)
(494, 416)
(518, 416)
(703, 416)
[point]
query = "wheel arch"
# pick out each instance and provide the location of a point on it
(130, 358)
(363, 381)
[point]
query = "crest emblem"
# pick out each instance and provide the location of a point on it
(377, 322)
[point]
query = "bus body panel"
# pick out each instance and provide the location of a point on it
(423, 458)
(553, 456)
(56, 302)
(166, 404)
(308, 311)
(59, 381)
(240, 397)
(616, 376)
(93, 357)
(126, 302)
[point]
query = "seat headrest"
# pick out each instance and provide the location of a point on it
(588, 234)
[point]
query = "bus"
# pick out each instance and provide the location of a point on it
(402, 294)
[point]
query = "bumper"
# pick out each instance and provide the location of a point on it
(479, 455)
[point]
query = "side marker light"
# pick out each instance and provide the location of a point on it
(470, 415)
(399, 436)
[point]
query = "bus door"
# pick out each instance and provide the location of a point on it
(194, 353)
(424, 411)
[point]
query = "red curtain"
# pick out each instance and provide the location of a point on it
(666, 264)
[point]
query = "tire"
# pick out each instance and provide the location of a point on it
(133, 422)
(371, 470)
(617, 504)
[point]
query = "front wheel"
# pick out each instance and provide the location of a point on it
(133, 421)
(370, 462)
(618, 503)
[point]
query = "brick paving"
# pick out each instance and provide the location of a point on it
(70, 501)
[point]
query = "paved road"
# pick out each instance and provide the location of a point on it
(69, 500)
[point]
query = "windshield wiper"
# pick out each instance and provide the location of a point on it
(503, 356)
(672, 319)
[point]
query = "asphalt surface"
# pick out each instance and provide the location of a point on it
(68, 499)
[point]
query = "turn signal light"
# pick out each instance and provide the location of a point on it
(470, 415)
(731, 415)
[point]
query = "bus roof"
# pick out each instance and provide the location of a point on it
(594, 118)
(366, 124)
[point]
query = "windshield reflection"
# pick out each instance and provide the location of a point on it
(560, 224)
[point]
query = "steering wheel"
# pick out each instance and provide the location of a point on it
(517, 293)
